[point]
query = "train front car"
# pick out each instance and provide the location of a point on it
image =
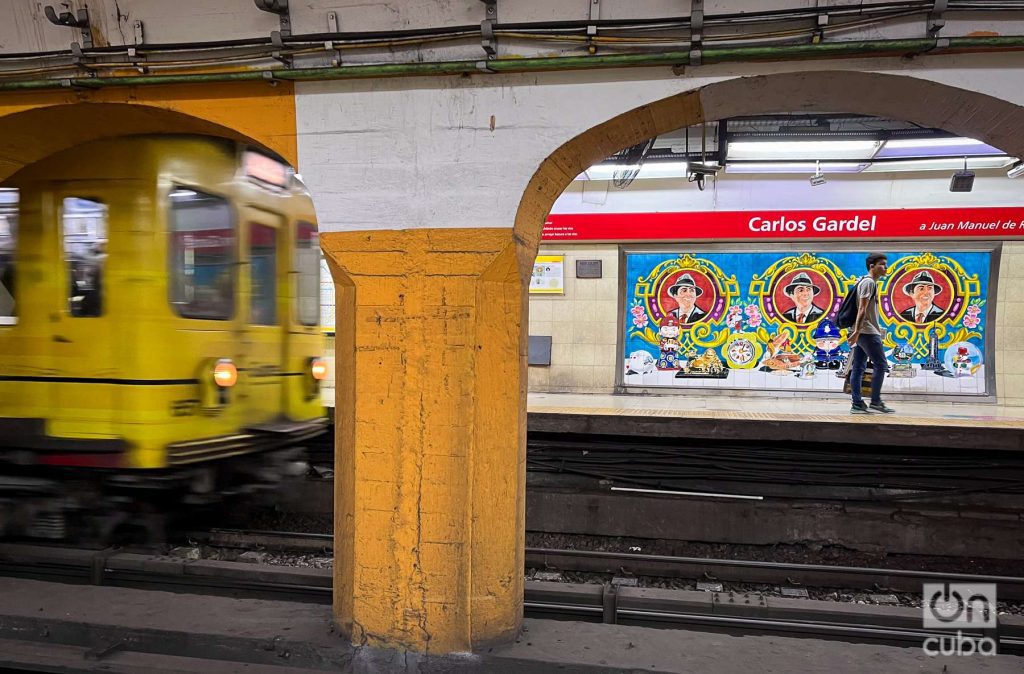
(160, 345)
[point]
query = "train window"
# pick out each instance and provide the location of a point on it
(202, 255)
(307, 270)
(263, 274)
(8, 247)
(84, 224)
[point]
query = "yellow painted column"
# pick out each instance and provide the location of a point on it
(431, 428)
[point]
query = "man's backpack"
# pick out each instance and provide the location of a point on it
(847, 314)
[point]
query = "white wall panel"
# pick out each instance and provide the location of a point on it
(420, 152)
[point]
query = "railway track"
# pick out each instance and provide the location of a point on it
(630, 564)
(716, 611)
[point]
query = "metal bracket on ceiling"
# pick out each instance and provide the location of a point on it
(76, 52)
(487, 39)
(138, 34)
(332, 22)
(936, 20)
(696, 32)
(336, 59)
(278, 43)
(279, 7)
(78, 83)
(79, 20)
(594, 15)
(821, 24)
(137, 61)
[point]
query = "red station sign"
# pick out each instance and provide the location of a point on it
(903, 223)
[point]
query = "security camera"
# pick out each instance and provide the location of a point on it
(817, 179)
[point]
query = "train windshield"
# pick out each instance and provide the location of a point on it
(8, 249)
(307, 268)
(202, 255)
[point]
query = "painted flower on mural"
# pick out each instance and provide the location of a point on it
(734, 319)
(753, 315)
(640, 319)
(973, 317)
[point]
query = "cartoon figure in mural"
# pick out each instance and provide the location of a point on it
(904, 356)
(827, 354)
(962, 362)
(922, 289)
(640, 362)
(802, 291)
(685, 292)
(669, 345)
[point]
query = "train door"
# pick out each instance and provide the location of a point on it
(89, 378)
(265, 317)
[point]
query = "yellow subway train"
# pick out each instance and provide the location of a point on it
(159, 309)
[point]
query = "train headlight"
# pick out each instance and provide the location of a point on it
(316, 371)
(225, 374)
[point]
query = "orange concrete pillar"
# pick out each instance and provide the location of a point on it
(431, 428)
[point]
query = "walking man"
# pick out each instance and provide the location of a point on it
(866, 340)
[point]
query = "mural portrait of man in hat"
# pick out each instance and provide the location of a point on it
(802, 290)
(685, 292)
(922, 289)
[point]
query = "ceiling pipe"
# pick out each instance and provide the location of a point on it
(852, 49)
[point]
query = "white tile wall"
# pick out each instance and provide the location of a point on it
(582, 324)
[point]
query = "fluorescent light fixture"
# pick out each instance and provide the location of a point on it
(662, 169)
(903, 143)
(803, 149)
(940, 164)
(936, 147)
(795, 167)
(1017, 171)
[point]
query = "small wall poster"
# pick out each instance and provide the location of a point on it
(548, 277)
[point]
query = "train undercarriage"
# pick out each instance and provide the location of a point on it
(105, 505)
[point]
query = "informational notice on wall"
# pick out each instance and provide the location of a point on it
(326, 297)
(548, 275)
(765, 320)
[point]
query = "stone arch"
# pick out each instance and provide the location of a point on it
(34, 126)
(912, 99)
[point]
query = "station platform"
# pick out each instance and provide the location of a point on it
(94, 628)
(750, 419)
